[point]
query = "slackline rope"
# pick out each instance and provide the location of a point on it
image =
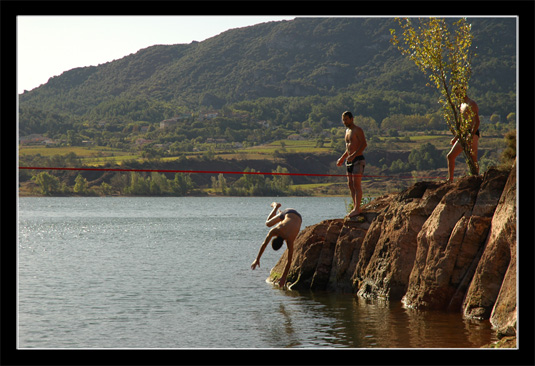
(221, 172)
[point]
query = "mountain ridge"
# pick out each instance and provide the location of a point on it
(300, 58)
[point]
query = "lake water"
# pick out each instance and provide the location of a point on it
(121, 272)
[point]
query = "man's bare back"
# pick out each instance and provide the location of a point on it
(469, 110)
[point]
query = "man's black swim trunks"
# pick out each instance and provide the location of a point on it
(359, 163)
(287, 211)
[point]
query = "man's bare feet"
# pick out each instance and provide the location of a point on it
(354, 213)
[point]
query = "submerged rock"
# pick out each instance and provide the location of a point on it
(432, 246)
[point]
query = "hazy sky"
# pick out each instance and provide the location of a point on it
(49, 45)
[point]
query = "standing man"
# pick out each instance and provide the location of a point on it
(469, 109)
(288, 226)
(355, 163)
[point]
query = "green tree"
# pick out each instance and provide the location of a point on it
(219, 184)
(494, 118)
(159, 185)
(509, 154)
(182, 184)
(426, 157)
(250, 184)
(47, 183)
(72, 138)
(106, 189)
(281, 182)
(398, 166)
(80, 185)
(446, 59)
(138, 185)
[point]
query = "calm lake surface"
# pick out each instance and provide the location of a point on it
(121, 272)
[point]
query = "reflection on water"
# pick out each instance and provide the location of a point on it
(175, 273)
(362, 323)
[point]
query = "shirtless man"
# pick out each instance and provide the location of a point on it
(288, 226)
(467, 107)
(355, 163)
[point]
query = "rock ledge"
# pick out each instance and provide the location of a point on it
(432, 246)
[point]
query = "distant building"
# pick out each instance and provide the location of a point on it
(140, 142)
(264, 123)
(168, 123)
(35, 139)
(209, 115)
(172, 122)
(162, 146)
(210, 140)
(295, 137)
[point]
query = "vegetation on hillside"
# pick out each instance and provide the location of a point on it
(444, 53)
(254, 86)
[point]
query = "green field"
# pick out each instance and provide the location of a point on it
(96, 155)
(80, 151)
(90, 155)
(290, 146)
(100, 155)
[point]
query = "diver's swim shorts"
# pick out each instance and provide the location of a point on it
(357, 165)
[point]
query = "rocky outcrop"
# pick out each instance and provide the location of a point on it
(492, 291)
(433, 246)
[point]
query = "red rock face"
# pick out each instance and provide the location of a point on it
(432, 246)
(439, 242)
(492, 291)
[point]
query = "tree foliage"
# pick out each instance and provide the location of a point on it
(266, 82)
(155, 184)
(48, 184)
(81, 186)
(509, 154)
(305, 70)
(425, 157)
(445, 57)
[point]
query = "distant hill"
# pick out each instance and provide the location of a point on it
(319, 60)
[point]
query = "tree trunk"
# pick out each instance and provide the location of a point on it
(472, 165)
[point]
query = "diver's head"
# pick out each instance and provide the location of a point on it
(277, 243)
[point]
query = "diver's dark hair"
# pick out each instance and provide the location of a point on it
(276, 244)
(347, 113)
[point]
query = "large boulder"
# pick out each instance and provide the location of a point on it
(308, 247)
(433, 246)
(392, 243)
(492, 291)
(451, 242)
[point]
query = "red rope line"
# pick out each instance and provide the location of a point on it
(219, 172)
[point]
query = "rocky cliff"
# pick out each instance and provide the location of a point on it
(433, 246)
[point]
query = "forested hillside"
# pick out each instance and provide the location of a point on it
(303, 70)
(240, 99)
